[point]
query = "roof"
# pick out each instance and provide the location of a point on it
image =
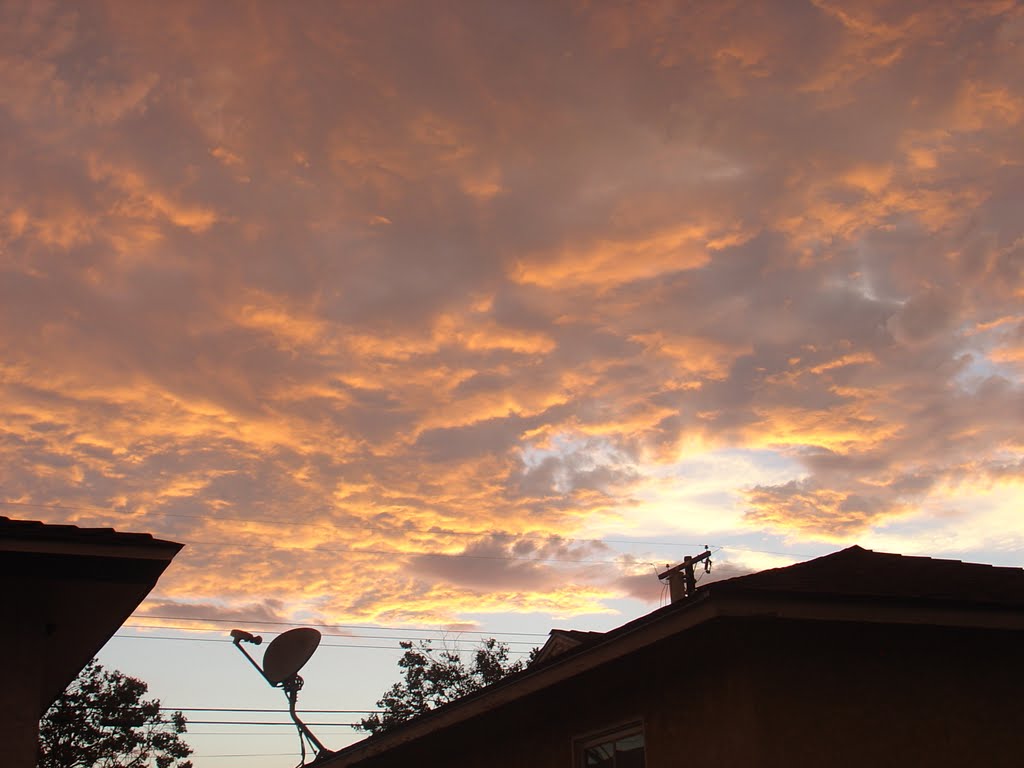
(859, 572)
(71, 588)
(854, 573)
(854, 584)
(35, 536)
(562, 640)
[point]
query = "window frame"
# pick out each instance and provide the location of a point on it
(610, 734)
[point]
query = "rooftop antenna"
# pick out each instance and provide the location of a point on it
(681, 581)
(282, 660)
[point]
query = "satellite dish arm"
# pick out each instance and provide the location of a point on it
(240, 637)
(291, 688)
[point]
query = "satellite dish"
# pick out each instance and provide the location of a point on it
(288, 652)
(285, 656)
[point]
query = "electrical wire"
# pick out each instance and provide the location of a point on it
(218, 640)
(329, 527)
(261, 622)
(239, 733)
(404, 529)
(404, 553)
(266, 722)
(261, 754)
(215, 640)
(326, 634)
(269, 734)
(271, 711)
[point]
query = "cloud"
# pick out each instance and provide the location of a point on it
(323, 293)
(511, 564)
(162, 612)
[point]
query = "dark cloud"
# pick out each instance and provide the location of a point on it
(513, 564)
(265, 613)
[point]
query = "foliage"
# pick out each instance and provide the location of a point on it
(431, 678)
(102, 721)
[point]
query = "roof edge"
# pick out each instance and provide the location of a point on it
(32, 536)
(523, 683)
(674, 619)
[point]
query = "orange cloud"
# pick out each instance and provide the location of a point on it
(346, 300)
(621, 261)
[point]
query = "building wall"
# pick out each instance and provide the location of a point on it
(898, 696)
(59, 609)
(770, 693)
(20, 641)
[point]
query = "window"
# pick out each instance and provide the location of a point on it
(623, 748)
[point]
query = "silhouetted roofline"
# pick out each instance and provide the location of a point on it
(74, 588)
(816, 590)
(562, 641)
(857, 572)
(36, 536)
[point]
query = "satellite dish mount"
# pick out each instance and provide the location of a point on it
(282, 660)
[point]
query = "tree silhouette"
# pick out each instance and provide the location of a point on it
(101, 720)
(432, 677)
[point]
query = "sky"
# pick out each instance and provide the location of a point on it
(456, 319)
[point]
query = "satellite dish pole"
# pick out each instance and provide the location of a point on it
(283, 659)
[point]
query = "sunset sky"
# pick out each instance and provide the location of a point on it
(466, 316)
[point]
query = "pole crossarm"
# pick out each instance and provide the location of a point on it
(681, 580)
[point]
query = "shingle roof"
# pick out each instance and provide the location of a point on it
(34, 530)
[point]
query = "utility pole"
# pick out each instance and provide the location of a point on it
(681, 581)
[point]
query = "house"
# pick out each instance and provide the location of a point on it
(856, 658)
(65, 590)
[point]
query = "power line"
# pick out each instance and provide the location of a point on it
(351, 637)
(245, 723)
(272, 711)
(432, 531)
(260, 755)
(266, 722)
(260, 622)
(406, 529)
(290, 733)
(247, 734)
(217, 640)
(326, 634)
(405, 553)
(364, 527)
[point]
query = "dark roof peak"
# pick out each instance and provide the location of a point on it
(563, 640)
(860, 572)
